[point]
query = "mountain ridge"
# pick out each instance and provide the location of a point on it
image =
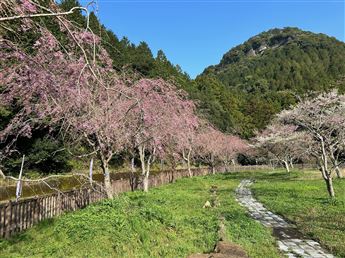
(265, 73)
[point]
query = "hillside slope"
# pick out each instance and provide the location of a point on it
(266, 73)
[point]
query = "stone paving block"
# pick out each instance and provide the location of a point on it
(299, 251)
(283, 247)
(312, 242)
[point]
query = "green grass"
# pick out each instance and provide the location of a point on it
(169, 221)
(302, 197)
(166, 222)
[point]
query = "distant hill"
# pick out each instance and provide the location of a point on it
(264, 74)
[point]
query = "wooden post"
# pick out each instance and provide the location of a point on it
(39, 209)
(2, 220)
(28, 214)
(35, 211)
(59, 204)
(52, 206)
(49, 207)
(19, 216)
(19, 183)
(90, 176)
(15, 214)
(8, 219)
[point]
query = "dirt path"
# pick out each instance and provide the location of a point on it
(290, 241)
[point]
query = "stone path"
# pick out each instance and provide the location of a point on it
(290, 241)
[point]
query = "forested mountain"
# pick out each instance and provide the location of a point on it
(266, 74)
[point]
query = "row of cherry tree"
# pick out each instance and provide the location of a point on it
(312, 130)
(72, 87)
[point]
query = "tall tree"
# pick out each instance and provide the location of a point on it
(282, 143)
(208, 146)
(71, 87)
(163, 113)
(323, 118)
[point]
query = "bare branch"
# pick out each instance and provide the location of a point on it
(25, 16)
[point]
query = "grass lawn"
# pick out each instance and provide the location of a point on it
(302, 198)
(169, 221)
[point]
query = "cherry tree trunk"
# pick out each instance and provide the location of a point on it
(189, 169)
(227, 166)
(133, 180)
(338, 171)
(213, 170)
(107, 181)
(187, 159)
(330, 189)
(145, 170)
(133, 170)
(146, 183)
(188, 164)
(286, 166)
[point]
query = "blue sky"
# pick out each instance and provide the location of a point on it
(196, 33)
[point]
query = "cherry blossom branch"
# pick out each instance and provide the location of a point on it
(25, 16)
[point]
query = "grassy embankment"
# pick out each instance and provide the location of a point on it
(168, 221)
(301, 197)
